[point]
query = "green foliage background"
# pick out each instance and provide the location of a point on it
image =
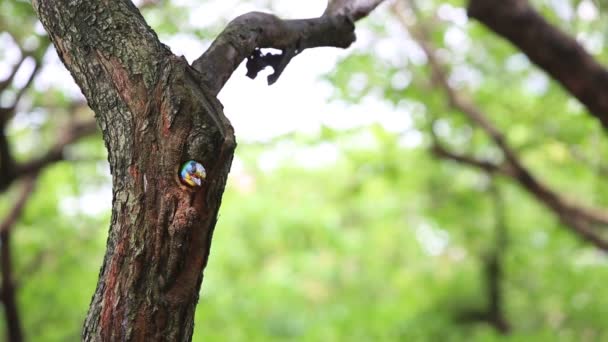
(385, 243)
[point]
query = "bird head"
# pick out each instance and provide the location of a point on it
(192, 173)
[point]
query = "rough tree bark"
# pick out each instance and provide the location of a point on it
(156, 112)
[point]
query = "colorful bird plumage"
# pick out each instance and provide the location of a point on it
(192, 173)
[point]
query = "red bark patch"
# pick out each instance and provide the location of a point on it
(130, 89)
(134, 172)
(141, 326)
(110, 313)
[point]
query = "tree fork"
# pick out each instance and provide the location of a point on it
(156, 112)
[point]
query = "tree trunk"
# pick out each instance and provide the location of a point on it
(157, 112)
(154, 114)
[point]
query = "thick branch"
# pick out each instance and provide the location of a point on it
(245, 35)
(579, 218)
(560, 55)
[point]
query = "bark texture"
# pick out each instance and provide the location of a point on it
(156, 112)
(154, 115)
(560, 55)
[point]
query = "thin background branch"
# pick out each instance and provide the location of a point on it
(581, 219)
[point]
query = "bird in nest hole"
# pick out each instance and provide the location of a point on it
(192, 173)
